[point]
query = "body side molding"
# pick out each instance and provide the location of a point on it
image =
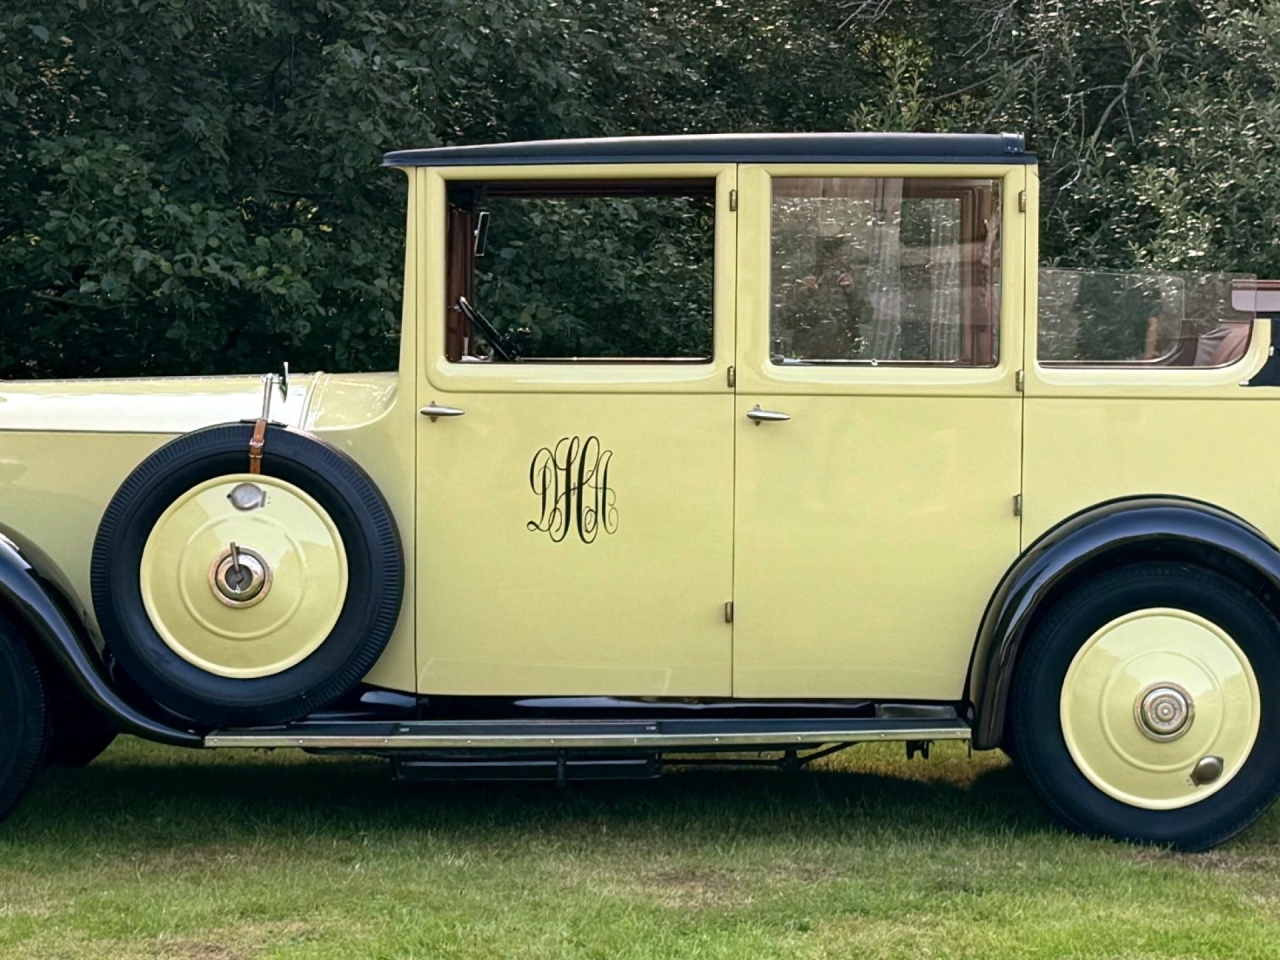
(1119, 530)
(28, 589)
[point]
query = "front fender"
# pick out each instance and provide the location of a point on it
(29, 591)
(1119, 531)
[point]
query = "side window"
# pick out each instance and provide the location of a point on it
(1093, 318)
(602, 270)
(883, 270)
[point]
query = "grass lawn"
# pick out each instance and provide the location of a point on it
(155, 852)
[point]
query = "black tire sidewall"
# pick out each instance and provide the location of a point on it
(375, 576)
(1038, 738)
(24, 724)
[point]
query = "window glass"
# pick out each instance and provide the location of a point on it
(885, 270)
(602, 270)
(1144, 319)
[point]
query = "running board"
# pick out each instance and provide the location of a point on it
(701, 734)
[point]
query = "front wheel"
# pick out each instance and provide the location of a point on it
(24, 729)
(1146, 707)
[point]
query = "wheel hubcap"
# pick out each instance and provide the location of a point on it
(244, 576)
(1164, 711)
(1160, 708)
(240, 576)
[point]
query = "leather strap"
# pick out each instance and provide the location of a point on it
(256, 445)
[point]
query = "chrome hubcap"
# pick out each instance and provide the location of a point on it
(240, 576)
(1160, 708)
(244, 576)
(1164, 711)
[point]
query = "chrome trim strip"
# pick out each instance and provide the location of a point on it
(414, 740)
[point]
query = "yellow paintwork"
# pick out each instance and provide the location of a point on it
(506, 610)
(65, 446)
(1110, 673)
(870, 533)
(503, 609)
(1087, 450)
(871, 528)
(1192, 433)
(859, 542)
(297, 610)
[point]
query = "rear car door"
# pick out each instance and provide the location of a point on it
(878, 423)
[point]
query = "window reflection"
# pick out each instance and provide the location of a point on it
(1116, 318)
(885, 270)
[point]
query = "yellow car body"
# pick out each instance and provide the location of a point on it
(854, 548)
(721, 511)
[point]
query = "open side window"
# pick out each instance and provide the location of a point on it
(580, 270)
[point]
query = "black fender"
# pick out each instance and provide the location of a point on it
(30, 592)
(1115, 532)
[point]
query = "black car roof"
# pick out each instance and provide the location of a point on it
(732, 148)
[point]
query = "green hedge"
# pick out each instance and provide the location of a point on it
(192, 186)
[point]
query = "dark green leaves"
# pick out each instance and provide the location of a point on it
(192, 186)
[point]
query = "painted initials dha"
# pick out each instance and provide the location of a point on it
(571, 482)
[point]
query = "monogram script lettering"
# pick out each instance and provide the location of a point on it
(571, 482)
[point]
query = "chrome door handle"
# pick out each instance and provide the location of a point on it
(435, 411)
(766, 416)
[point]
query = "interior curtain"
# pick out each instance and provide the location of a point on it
(945, 310)
(884, 268)
(913, 283)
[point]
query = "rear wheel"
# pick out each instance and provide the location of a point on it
(23, 719)
(1145, 707)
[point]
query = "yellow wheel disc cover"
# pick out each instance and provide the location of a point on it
(300, 596)
(1143, 656)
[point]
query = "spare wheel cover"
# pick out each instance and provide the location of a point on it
(237, 599)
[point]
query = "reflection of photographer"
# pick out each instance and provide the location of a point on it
(1119, 319)
(827, 309)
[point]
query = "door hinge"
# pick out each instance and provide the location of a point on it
(1022, 201)
(728, 611)
(1017, 504)
(733, 200)
(1020, 381)
(731, 376)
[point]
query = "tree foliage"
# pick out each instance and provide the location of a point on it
(601, 277)
(193, 185)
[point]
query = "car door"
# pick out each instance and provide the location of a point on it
(878, 424)
(575, 506)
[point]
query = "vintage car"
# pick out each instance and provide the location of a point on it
(764, 444)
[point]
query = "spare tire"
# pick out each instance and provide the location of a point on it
(236, 599)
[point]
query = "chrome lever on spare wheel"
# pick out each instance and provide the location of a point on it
(435, 411)
(766, 416)
(239, 576)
